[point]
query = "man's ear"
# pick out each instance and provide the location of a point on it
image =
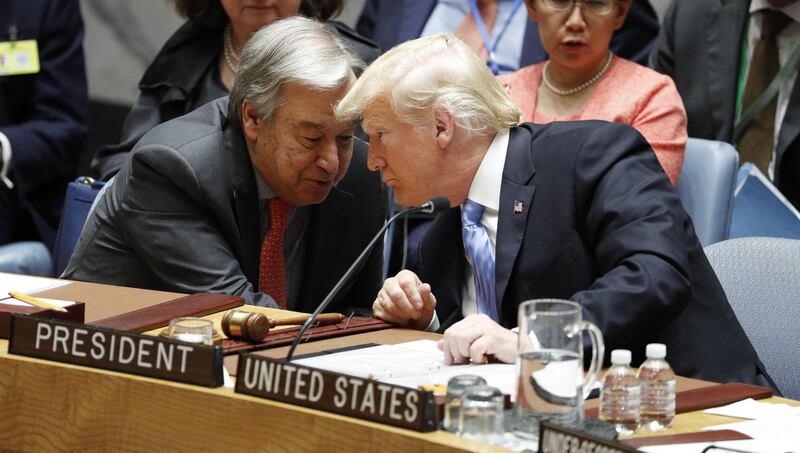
(445, 127)
(529, 5)
(250, 121)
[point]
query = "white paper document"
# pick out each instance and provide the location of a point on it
(57, 302)
(755, 410)
(781, 431)
(26, 284)
(410, 364)
(749, 445)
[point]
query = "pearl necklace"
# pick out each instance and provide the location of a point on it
(231, 58)
(578, 88)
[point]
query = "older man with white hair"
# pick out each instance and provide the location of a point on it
(578, 211)
(252, 197)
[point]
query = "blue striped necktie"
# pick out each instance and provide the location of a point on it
(479, 248)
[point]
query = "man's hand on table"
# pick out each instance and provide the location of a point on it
(406, 301)
(475, 338)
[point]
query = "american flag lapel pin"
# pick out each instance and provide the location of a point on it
(518, 206)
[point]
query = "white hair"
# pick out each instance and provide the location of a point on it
(421, 75)
(295, 49)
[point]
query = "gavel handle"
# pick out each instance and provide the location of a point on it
(323, 319)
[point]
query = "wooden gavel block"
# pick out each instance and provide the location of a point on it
(255, 327)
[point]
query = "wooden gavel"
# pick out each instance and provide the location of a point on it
(252, 326)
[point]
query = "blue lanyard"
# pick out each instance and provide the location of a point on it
(487, 41)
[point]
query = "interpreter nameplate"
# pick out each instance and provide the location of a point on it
(366, 399)
(116, 350)
(557, 439)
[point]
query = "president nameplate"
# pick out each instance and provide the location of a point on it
(366, 399)
(116, 350)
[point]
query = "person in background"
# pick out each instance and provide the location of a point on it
(569, 210)
(722, 57)
(499, 25)
(251, 197)
(583, 79)
(43, 105)
(198, 62)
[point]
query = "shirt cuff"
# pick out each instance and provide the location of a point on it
(434, 325)
(5, 160)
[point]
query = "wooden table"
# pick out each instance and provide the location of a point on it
(49, 406)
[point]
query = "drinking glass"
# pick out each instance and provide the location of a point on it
(192, 330)
(456, 387)
(551, 384)
(482, 413)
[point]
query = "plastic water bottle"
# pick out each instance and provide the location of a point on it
(658, 389)
(619, 396)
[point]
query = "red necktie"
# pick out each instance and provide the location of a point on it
(272, 274)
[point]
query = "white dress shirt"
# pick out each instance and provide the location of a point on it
(485, 190)
(788, 39)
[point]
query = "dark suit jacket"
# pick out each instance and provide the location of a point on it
(172, 84)
(603, 226)
(43, 115)
(700, 48)
(183, 215)
(391, 22)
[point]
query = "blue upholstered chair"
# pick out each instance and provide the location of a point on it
(81, 198)
(761, 277)
(706, 185)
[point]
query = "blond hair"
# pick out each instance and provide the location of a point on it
(419, 76)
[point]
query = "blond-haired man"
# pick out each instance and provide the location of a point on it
(577, 211)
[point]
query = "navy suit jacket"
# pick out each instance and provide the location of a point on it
(391, 22)
(601, 225)
(43, 115)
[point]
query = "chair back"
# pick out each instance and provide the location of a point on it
(706, 185)
(78, 203)
(761, 277)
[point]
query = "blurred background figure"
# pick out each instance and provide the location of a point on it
(43, 104)
(723, 56)
(197, 64)
(584, 80)
(498, 30)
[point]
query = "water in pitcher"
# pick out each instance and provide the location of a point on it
(550, 385)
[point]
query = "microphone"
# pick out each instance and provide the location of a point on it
(433, 206)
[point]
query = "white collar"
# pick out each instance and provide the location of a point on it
(485, 188)
(792, 10)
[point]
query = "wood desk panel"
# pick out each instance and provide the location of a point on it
(47, 406)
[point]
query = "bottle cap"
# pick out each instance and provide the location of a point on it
(656, 351)
(620, 357)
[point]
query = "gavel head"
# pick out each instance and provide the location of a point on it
(244, 325)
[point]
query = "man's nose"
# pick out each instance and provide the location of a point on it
(328, 160)
(375, 160)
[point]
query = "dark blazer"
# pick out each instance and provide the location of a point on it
(171, 85)
(183, 215)
(700, 48)
(601, 225)
(43, 115)
(391, 22)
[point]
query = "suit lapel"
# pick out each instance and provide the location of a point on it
(516, 195)
(415, 14)
(328, 262)
(726, 24)
(245, 202)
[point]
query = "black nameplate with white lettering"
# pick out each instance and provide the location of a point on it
(334, 392)
(116, 350)
(556, 439)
